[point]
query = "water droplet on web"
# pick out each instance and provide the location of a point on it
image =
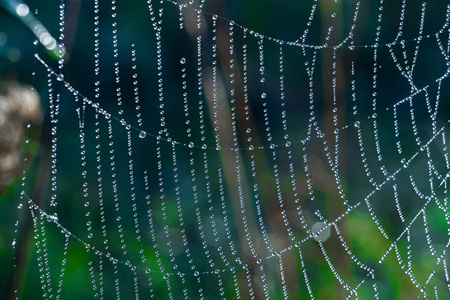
(61, 50)
(51, 218)
(263, 95)
(191, 145)
(142, 134)
(196, 273)
(357, 124)
(321, 231)
(182, 60)
(60, 77)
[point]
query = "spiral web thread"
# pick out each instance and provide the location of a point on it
(232, 204)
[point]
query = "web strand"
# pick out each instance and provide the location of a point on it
(210, 160)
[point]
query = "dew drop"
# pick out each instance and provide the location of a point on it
(191, 145)
(321, 231)
(62, 50)
(196, 273)
(51, 218)
(142, 134)
(60, 77)
(182, 60)
(263, 95)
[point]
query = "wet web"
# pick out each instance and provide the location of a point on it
(243, 166)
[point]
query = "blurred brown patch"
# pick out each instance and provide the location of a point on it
(19, 106)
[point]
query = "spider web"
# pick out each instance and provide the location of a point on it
(240, 165)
